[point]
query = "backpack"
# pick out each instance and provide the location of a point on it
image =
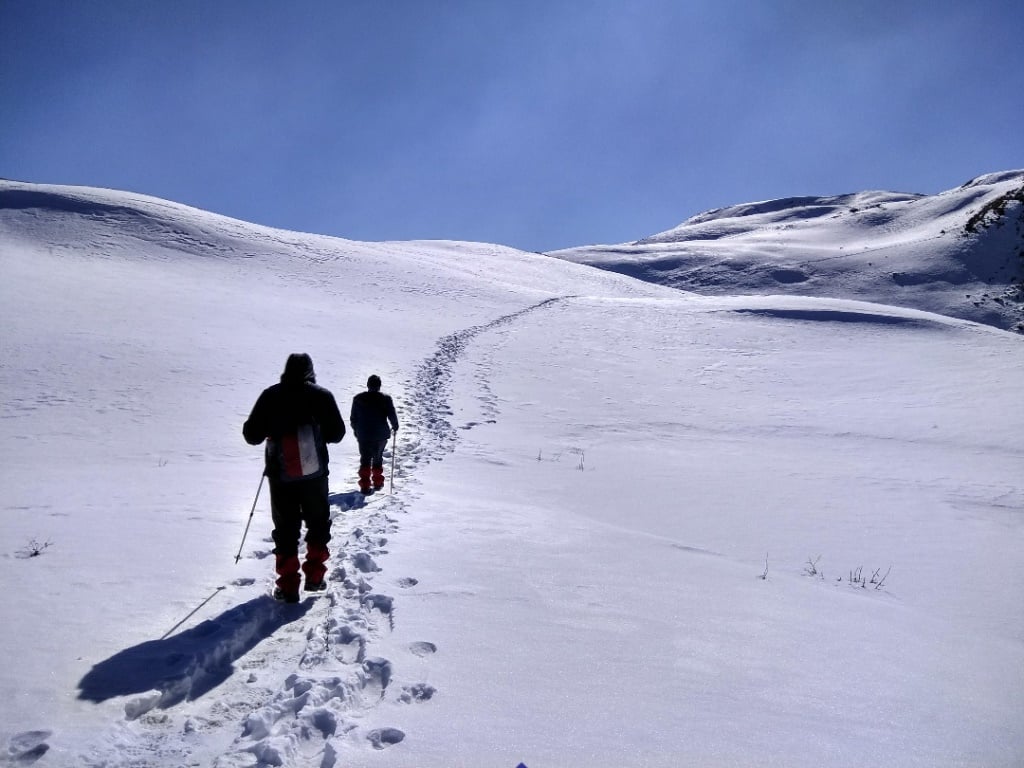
(300, 454)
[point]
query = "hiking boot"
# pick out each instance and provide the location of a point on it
(285, 597)
(316, 586)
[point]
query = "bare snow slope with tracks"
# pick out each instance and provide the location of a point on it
(590, 474)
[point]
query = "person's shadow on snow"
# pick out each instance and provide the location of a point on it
(190, 664)
(347, 500)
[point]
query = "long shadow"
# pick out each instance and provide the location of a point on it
(840, 316)
(192, 663)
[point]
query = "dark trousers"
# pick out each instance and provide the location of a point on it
(371, 453)
(291, 505)
(371, 464)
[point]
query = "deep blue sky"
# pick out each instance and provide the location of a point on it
(533, 123)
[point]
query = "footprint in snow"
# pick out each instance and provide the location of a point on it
(417, 692)
(422, 648)
(377, 671)
(381, 738)
(374, 679)
(382, 603)
(364, 563)
(349, 646)
(27, 747)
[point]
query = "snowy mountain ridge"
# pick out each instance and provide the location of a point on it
(958, 253)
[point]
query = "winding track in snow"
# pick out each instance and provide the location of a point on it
(432, 385)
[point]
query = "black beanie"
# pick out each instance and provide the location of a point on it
(298, 368)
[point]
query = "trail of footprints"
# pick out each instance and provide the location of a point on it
(315, 715)
(431, 387)
(312, 718)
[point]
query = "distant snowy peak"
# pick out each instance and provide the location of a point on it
(1001, 177)
(798, 208)
(746, 217)
(959, 253)
(998, 209)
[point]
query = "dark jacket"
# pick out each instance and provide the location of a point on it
(372, 412)
(295, 401)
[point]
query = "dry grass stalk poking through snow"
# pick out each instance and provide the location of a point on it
(34, 548)
(856, 577)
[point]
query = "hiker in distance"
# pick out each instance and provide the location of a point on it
(297, 418)
(373, 413)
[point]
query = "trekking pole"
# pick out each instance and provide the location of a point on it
(251, 511)
(394, 445)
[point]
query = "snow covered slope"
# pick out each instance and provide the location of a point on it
(631, 526)
(959, 253)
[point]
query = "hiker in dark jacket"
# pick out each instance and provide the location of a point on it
(297, 418)
(373, 413)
